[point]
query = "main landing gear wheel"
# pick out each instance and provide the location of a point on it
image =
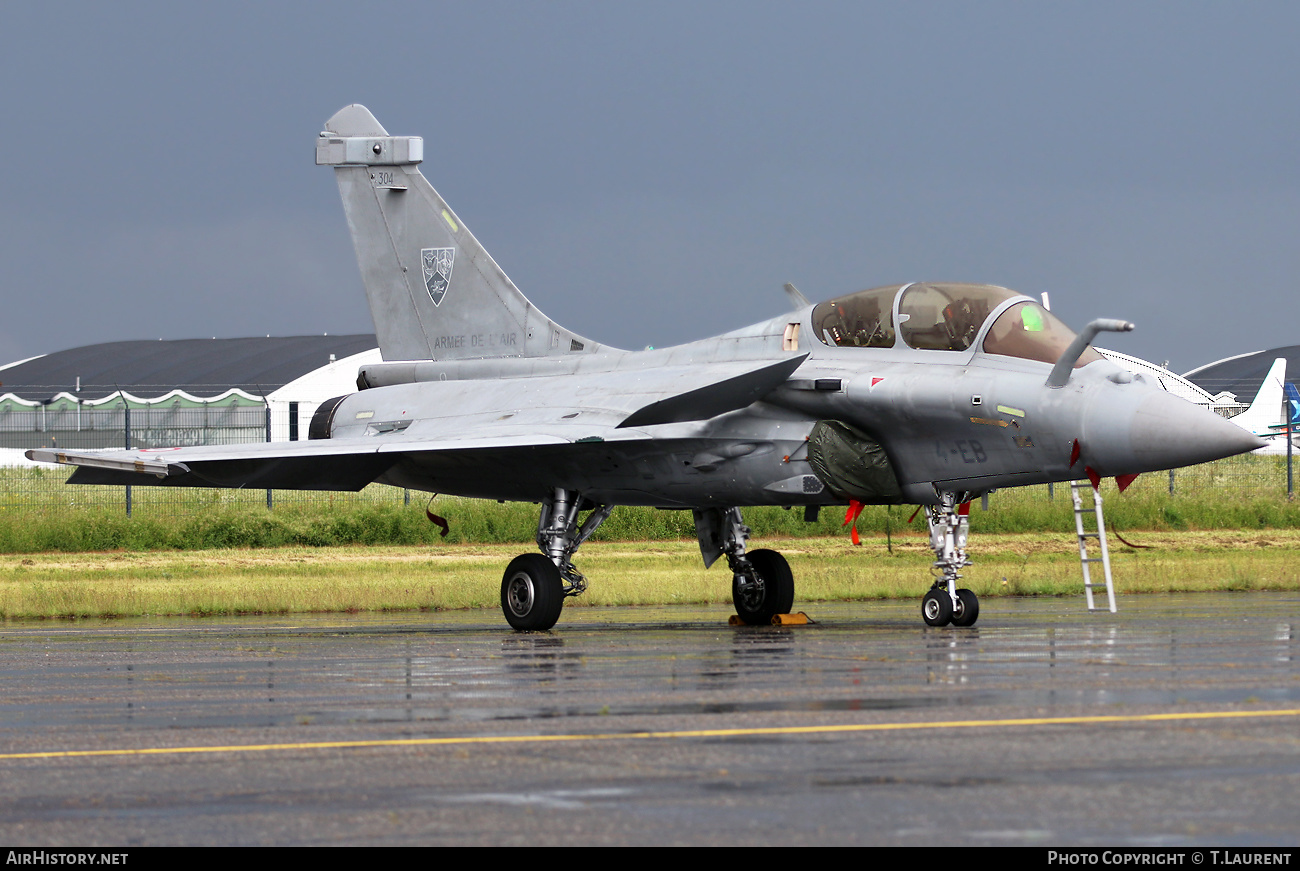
(967, 609)
(936, 608)
(532, 594)
(766, 590)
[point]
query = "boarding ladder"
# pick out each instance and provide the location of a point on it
(1084, 560)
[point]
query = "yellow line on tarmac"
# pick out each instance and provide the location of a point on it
(641, 736)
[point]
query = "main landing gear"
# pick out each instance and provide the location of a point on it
(945, 603)
(535, 585)
(762, 584)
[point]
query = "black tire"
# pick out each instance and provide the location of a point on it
(532, 594)
(967, 610)
(757, 607)
(936, 608)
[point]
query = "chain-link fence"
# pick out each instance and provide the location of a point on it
(77, 427)
(1246, 476)
(43, 488)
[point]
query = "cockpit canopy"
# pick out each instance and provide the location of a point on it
(944, 317)
(864, 319)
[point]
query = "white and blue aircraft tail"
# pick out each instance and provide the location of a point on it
(1266, 416)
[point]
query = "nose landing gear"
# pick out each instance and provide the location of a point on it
(945, 603)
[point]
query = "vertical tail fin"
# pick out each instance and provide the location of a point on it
(1265, 414)
(434, 292)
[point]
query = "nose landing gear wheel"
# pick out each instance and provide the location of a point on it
(936, 608)
(767, 592)
(967, 610)
(532, 593)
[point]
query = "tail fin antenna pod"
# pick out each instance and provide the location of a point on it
(434, 292)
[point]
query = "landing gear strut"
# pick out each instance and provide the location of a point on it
(535, 586)
(945, 603)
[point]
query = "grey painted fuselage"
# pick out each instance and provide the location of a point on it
(940, 416)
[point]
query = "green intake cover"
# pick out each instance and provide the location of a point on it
(852, 464)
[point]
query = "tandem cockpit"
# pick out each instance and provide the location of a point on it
(946, 317)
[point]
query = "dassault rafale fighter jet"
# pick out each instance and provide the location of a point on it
(923, 393)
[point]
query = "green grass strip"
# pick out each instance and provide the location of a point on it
(455, 576)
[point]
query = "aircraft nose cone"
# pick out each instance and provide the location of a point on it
(1168, 432)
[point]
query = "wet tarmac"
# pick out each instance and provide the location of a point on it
(1174, 722)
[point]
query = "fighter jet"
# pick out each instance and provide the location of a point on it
(921, 393)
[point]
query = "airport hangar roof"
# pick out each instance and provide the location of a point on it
(1244, 373)
(200, 367)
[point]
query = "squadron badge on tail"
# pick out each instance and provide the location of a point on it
(437, 271)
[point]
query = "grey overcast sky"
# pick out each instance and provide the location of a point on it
(651, 173)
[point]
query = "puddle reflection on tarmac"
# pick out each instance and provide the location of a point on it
(646, 662)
